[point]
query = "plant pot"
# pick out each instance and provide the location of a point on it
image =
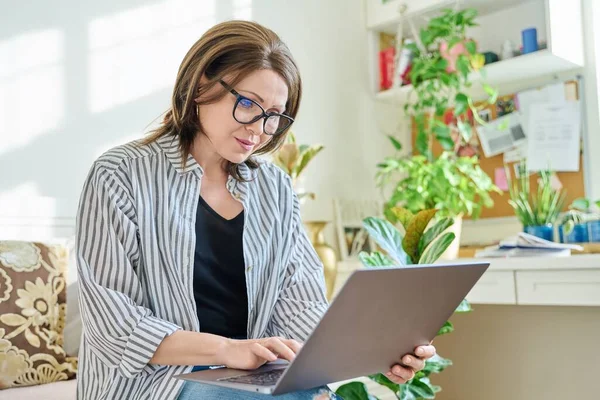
(542, 231)
(579, 234)
(594, 231)
(451, 252)
(325, 253)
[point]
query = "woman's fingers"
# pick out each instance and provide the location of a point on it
(293, 344)
(425, 352)
(415, 363)
(277, 346)
(399, 374)
(263, 352)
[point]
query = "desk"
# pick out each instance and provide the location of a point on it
(552, 281)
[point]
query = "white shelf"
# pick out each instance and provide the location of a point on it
(522, 68)
(385, 16)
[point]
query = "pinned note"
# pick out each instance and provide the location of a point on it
(500, 179)
(554, 136)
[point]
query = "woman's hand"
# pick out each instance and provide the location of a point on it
(251, 354)
(410, 364)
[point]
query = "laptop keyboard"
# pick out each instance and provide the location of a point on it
(266, 378)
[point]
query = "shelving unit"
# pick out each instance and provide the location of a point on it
(558, 23)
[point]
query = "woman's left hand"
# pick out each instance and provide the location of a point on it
(410, 364)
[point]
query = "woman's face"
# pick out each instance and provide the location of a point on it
(230, 139)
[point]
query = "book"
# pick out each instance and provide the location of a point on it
(527, 241)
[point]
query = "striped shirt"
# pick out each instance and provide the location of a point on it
(135, 253)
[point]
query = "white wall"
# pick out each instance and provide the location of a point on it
(77, 79)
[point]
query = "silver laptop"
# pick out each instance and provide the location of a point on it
(378, 316)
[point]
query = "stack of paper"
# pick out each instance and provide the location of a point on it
(526, 245)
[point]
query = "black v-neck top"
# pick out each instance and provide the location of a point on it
(219, 273)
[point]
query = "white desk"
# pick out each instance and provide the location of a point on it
(568, 281)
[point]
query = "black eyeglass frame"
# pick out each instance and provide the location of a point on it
(263, 115)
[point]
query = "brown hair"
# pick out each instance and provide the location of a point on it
(234, 49)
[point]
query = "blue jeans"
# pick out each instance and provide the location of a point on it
(201, 391)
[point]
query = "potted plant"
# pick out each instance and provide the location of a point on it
(413, 243)
(581, 223)
(443, 66)
(455, 186)
(538, 211)
(293, 159)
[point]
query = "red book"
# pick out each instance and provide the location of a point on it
(386, 68)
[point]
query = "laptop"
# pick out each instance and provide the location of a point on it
(379, 315)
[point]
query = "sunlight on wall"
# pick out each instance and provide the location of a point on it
(25, 199)
(138, 52)
(32, 99)
(242, 9)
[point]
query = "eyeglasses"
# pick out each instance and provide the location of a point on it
(247, 111)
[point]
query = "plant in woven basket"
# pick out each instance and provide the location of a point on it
(421, 240)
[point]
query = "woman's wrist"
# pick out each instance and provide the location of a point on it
(221, 350)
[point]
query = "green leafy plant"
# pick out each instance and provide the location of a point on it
(581, 210)
(585, 205)
(293, 158)
(442, 69)
(452, 184)
(541, 207)
(421, 240)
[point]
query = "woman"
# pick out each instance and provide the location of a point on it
(190, 250)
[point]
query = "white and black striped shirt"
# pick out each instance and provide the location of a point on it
(135, 247)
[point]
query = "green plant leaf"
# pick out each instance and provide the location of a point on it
(453, 42)
(353, 391)
(465, 130)
(491, 92)
(375, 259)
(437, 248)
(422, 143)
(446, 142)
(384, 381)
(395, 142)
(462, 102)
(432, 233)
(422, 388)
(387, 236)
(306, 156)
(447, 328)
(414, 232)
(581, 204)
(436, 364)
(405, 393)
(464, 306)
(441, 130)
(471, 47)
(402, 215)
(463, 66)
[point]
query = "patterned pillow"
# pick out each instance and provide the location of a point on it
(32, 314)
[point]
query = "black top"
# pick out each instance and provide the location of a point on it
(219, 277)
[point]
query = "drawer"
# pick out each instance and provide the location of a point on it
(559, 287)
(494, 287)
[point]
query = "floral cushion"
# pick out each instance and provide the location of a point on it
(32, 314)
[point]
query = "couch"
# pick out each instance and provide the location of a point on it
(63, 390)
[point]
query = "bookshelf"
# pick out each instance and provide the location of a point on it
(558, 23)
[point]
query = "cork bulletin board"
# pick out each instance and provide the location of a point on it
(572, 182)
